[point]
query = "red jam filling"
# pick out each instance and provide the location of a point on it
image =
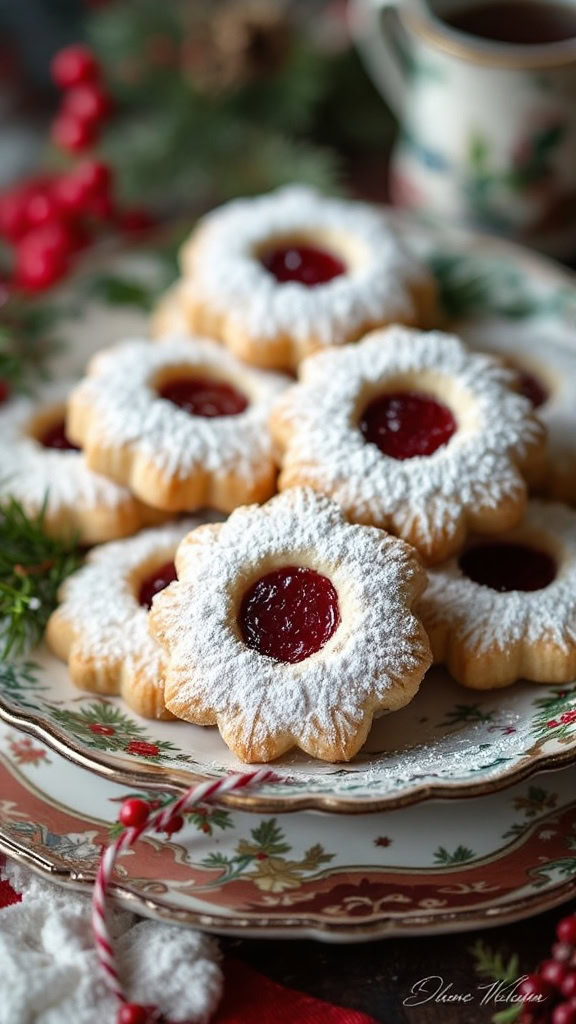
(505, 567)
(406, 424)
(303, 263)
(532, 389)
(55, 437)
(200, 396)
(156, 582)
(289, 614)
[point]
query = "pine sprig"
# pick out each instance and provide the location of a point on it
(32, 567)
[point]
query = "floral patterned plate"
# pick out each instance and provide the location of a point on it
(419, 870)
(449, 741)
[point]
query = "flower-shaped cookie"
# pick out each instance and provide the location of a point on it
(288, 626)
(101, 626)
(408, 431)
(41, 468)
(280, 276)
(183, 424)
(544, 354)
(505, 608)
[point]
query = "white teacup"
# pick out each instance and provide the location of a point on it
(488, 128)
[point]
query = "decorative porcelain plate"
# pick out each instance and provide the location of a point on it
(448, 742)
(420, 870)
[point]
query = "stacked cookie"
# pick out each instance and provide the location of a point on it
(295, 622)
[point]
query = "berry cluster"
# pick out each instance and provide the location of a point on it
(49, 219)
(85, 103)
(550, 993)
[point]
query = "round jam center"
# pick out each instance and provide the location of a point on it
(156, 582)
(303, 263)
(506, 567)
(289, 614)
(406, 424)
(532, 389)
(55, 437)
(201, 396)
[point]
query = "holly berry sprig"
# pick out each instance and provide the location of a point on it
(49, 219)
(549, 993)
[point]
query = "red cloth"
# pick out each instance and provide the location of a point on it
(251, 998)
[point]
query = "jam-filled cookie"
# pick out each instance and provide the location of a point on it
(290, 627)
(101, 625)
(280, 276)
(43, 469)
(183, 424)
(546, 367)
(505, 607)
(410, 432)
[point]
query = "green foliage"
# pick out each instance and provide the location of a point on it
(463, 714)
(491, 964)
(179, 140)
(32, 568)
(461, 855)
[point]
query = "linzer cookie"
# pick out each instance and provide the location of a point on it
(546, 366)
(290, 627)
(101, 626)
(43, 469)
(410, 432)
(280, 276)
(505, 608)
(184, 424)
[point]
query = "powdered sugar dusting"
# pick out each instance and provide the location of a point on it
(30, 472)
(220, 265)
(128, 411)
(374, 660)
(100, 602)
(483, 618)
(317, 419)
(542, 350)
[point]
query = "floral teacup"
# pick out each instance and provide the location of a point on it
(488, 129)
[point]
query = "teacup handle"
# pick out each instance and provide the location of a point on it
(374, 25)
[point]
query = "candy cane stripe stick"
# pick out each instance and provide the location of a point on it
(139, 818)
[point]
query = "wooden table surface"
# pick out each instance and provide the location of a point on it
(376, 977)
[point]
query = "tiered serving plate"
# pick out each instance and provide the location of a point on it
(449, 742)
(420, 870)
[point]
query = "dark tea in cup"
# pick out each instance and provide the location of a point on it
(520, 22)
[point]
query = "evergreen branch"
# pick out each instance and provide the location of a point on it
(32, 567)
(489, 963)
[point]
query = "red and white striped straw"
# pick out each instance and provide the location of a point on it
(157, 821)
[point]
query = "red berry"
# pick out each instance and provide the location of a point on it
(566, 930)
(13, 218)
(37, 268)
(41, 207)
(143, 748)
(175, 824)
(568, 986)
(564, 1013)
(51, 238)
(561, 951)
(101, 206)
(133, 221)
(553, 971)
(134, 813)
(94, 176)
(132, 1013)
(534, 990)
(4, 390)
(87, 102)
(102, 730)
(74, 64)
(72, 134)
(205, 827)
